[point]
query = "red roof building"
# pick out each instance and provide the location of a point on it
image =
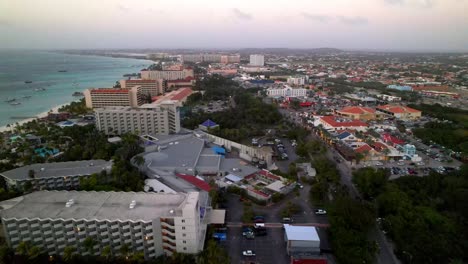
(357, 112)
(202, 185)
(335, 123)
(399, 111)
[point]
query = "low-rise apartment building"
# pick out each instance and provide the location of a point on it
(152, 223)
(286, 91)
(162, 118)
(333, 123)
(357, 112)
(54, 176)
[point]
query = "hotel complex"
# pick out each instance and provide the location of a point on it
(151, 223)
(162, 118)
(103, 97)
(148, 87)
(167, 75)
(53, 176)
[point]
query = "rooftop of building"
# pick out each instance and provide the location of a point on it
(58, 169)
(302, 233)
(397, 109)
(96, 205)
(109, 90)
(357, 110)
(337, 122)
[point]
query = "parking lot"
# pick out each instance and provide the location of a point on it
(268, 249)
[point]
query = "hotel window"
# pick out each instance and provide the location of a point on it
(183, 228)
(183, 220)
(185, 248)
(184, 235)
(183, 241)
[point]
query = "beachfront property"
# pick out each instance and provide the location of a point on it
(399, 112)
(103, 97)
(178, 74)
(148, 87)
(53, 176)
(156, 118)
(151, 223)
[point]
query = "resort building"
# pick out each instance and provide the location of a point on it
(151, 223)
(103, 97)
(162, 118)
(399, 112)
(148, 87)
(53, 176)
(357, 112)
(286, 91)
(230, 59)
(167, 75)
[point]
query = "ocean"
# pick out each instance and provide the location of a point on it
(49, 87)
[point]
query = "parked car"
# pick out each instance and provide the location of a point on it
(287, 220)
(320, 212)
(248, 253)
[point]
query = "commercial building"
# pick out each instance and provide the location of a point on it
(286, 91)
(162, 118)
(399, 112)
(152, 223)
(192, 58)
(103, 97)
(182, 83)
(296, 80)
(148, 87)
(400, 87)
(178, 96)
(334, 123)
(357, 112)
(167, 75)
(301, 240)
(53, 176)
(230, 59)
(257, 60)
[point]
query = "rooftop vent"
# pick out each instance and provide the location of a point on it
(42, 169)
(69, 203)
(132, 204)
(171, 211)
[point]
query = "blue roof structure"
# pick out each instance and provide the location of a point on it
(219, 150)
(209, 123)
(233, 178)
(344, 135)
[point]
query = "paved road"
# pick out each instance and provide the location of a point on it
(385, 255)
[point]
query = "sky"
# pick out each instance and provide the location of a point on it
(400, 25)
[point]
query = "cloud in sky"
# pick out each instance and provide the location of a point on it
(241, 15)
(416, 3)
(353, 20)
(314, 17)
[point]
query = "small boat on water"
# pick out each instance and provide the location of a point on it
(27, 81)
(78, 94)
(62, 71)
(15, 103)
(39, 89)
(26, 96)
(10, 100)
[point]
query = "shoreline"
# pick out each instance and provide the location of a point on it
(39, 116)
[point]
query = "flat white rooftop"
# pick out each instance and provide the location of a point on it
(301, 233)
(96, 205)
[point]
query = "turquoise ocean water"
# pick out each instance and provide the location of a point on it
(49, 87)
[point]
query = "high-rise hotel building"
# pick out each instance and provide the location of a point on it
(152, 223)
(102, 97)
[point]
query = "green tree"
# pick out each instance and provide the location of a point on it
(68, 253)
(89, 244)
(124, 250)
(370, 182)
(106, 253)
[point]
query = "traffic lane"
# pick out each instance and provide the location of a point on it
(233, 244)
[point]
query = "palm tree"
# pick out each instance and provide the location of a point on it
(33, 253)
(23, 248)
(68, 253)
(139, 160)
(124, 250)
(106, 252)
(89, 244)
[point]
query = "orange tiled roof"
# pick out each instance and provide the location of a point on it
(357, 110)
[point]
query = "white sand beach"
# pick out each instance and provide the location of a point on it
(41, 115)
